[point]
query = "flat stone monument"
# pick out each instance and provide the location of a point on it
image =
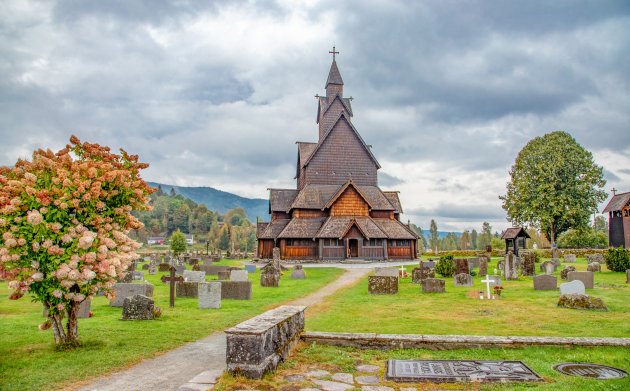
(454, 371)
(124, 290)
(593, 371)
(545, 282)
(463, 279)
(433, 285)
(528, 265)
(594, 267)
(239, 275)
(570, 258)
(298, 273)
(194, 276)
(163, 267)
(386, 271)
(575, 287)
(238, 290)
(137, 307)
(564, 272)
(587, 278)
(383, 285)
(187, 289)
(419, 274)
(209, 295)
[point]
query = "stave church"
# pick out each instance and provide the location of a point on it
(337, 210)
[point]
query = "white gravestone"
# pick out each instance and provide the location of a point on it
(573, 287)
(239, 275)
(209, 294)
(194, 276)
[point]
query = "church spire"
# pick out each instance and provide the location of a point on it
(334, 83)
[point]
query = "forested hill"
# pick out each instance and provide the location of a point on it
(220, 201)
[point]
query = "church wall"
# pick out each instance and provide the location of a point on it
(349, 203)
(340, 158)
(382, 214)
(308, 213)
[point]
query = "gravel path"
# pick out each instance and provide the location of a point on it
(196, 366)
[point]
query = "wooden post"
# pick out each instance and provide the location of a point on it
(172, 279)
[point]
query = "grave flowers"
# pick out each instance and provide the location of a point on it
(498, 289)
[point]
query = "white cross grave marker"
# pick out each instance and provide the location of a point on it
(488, 281)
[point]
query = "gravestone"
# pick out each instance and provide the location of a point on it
(209, 295)
(270, 274)
(564, 272)
(238, 275)
(594, 267)
(250, 268)
(587, 278)
(545, 282)
(239, 290)
(152, 270)
(179, 269)
(556, 261)
(194, 276)
(548, 267)
(211, 270)
(298, 273)
(187, 289)
(127, 278)
(145, 266)
(463, 279)
(575, 287)
(137, 307)
(163, 267)
(570, 258)
(595, 258)
(124, 290)
(433, 285)
(501, 266)
(581, 302)
(383, 285)
(510, 271)
(461, 266)
(528, 264)
(83, 311)
(496, 280)
(386, 272)
(483, 265)
(171, 279)
(420, 273)
(137, 276)
(628, 276)
(589, 370)
(430, 264)
(224, 275)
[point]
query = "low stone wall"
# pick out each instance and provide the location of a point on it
(442, 342)
(257, 345)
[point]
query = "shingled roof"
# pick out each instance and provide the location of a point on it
(338, 226)
(392, 197)
(273, 229)
(320, 196)
(618, 202)
(334, 76)
(280, 200)
(305, 150)
(394, 229)
(302, 228)
(326, 103)
(514, 232)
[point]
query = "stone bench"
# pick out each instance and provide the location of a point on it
(257, 345)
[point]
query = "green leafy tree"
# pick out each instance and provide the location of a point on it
(178, 243)
(225, 237)
(473, 239)
(601, 224)
(445, 266)
(485, 238)
(617, 259)
(434, 239)
(555, 185)
(464, 241)
(582, 238)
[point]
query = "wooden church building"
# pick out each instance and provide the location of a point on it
(618, 210)
(337, 211)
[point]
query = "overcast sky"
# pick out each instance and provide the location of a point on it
(216, 93)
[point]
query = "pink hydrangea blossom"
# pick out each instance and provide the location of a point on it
(33, 217)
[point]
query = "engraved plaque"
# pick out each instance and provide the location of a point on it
(443, 371)
(593, 371)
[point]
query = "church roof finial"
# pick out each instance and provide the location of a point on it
(334, 77)
(333, 52)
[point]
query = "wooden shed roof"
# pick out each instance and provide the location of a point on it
(302, 228)
(514, 232)
(392, 197)
(273, 229)
(618, 202)
(280, 200)
(394, 229)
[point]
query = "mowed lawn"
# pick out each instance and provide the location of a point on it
(520, 311)
(28, 360)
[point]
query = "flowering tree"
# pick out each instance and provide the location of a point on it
(64, 219)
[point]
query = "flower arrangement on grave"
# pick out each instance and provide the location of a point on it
(403, 274)
(498, 289)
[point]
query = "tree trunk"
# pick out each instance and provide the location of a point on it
(72, 326)
(56, 323)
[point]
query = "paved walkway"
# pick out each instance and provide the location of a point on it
(196, 366)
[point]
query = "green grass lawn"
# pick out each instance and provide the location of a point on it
(520, 311)
(28, 360)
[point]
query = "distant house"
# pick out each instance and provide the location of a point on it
(153, 240)
(189, 239)
(618, 210)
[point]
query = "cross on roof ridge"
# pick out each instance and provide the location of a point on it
(333, 52)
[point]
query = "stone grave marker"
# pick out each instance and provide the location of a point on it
(224, 275)
(575, 287)
(386, 272)
(194, 276)
(179, 269)
(461, 266)
(211, 270)
(123, 290)
(463, 279)
(595, 258)
(163, 267)
(239, 290)
(528, 265)
(420, 273)
(588, 370)
(628, 276)
(496, 280)
(239, 275)
(137, 276)
(152, 270)
(187, 289)
(570, 258)
(433, 285)
(587, 278)
(564, 272)
(209, 294)
(137, 307)
(545, 282)
(594, 267)
(383, 285)
(510, 270)
(270, 274)
(145, 266)
(429, 264)
(556, 261)
(298, 273)
(483, 265)
(172, 280)
(500, 266)
(581, 302)
(250, 268)
(548, 267)
(126, 278)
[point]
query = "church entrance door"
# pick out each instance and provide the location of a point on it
(353, 248)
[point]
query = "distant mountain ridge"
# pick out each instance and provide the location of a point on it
(219, 200)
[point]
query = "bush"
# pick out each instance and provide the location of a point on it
(582, 238)
(617, 259)
(445, 266)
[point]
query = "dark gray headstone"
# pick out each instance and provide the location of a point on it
(187, 289)
(589, 370)
(454, 371)
(83, 311)
(383, 285)
(433, 285)
(483, 265)
(528, 263)
(570, 258)
(152, 269)
(463, 279)
(239, 290)
(587, 278)
(545, 282)
(223, 275)
(137, 307)
(164, 267)
(298, 273)
(418, 274)
(124, 290)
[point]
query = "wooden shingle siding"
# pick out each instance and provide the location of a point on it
(280, 215)
(331, 115)
(308, 213)
(382, 214)
(350, 203)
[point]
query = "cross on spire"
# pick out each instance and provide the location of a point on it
(614, 191)
(333, 52)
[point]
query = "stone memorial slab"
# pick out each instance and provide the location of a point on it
(628, 276)
(145, 266)
(421, 273)
(564, 272)
(124, 290)
(594, 267)
(548, 267)
(179, 270)
(137, 307)
(575, 287)
(429, 264)
(461, 266)
(270, 274)
(152, 270)
(194, 276)
(433, 285)
(298, 273)
(483, 266)
(545, 282)
(239, 290)
(582, 302)
(212, 270)
(593, 371)
(83, 311)
(187, 289)
(386, 271)
(587, 278)
(239, 275)
(570, 258)
(510, 270)
(250, 268)
(209, 295)
(528, 263)
(383, 285)
(452, 371)
(137, 276)
(595, 258)
(163, 267)
(463, 279)
(496, 280)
